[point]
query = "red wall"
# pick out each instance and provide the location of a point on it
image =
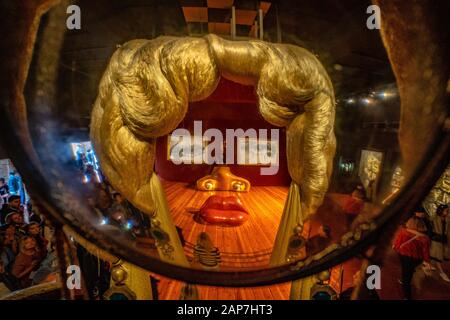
(231, 106)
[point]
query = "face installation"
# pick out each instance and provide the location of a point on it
(146, 88)
(224, 149)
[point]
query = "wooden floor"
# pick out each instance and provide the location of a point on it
(246, 246)
(169, 289)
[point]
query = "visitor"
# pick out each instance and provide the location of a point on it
(118, 212)
(16, 219)
(320, 241)
(354, 204)
(90, 157)
(103, 202)
(90, 175)
(8, 282)
(421, 213)
(26, 261)
(4, 191)
(135, 217)
(14, 183)
(80, 158)
(440, 248)
(33, 229)
(413, 246)
(13, 205)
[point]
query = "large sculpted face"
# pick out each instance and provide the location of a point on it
(144, 94)
(145, 91)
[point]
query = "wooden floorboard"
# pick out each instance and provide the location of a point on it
(265, 205)
(257, 235)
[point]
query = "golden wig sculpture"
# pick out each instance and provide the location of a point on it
(144, 94)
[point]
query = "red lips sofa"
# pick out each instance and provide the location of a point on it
(223, 211)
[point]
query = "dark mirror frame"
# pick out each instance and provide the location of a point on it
(21, 24)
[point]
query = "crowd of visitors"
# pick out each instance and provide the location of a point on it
(26, 255)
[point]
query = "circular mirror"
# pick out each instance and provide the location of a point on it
(227, 144)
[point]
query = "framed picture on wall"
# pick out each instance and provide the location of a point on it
(249, 151)
(187, 150)
(370, 168)
(253, 151)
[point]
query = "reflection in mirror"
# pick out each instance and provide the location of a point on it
(142, 154)
(216, 144)
(27, 242)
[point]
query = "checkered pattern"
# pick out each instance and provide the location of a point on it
(214, 16)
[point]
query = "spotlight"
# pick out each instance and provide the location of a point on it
(383, 94)
(350, 100)
(338, 67)
(386, 94)
(104, 221)
(367, 101)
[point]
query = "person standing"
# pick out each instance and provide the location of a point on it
(354, 205)
(440, 249)
(15, 185)
(34, 230)
(13, 205)
(26, 261)
(15, 219)
(413, 247)
(4, 191)
(10, 247)
(9, 282)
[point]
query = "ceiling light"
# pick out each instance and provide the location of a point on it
(367, 101)
(338, 67)
(386, 94)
